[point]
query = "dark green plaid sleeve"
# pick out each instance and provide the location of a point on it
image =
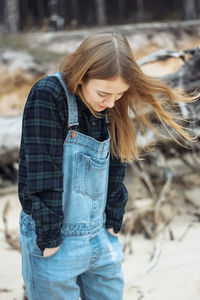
(117, 195)
(43, 144)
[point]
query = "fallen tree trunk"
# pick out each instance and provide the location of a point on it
(187, 77)
(10, 139)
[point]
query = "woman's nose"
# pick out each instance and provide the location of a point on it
(110, 102)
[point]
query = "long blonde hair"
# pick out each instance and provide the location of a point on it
(105, 55)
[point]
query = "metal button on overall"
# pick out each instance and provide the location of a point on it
(73, 134)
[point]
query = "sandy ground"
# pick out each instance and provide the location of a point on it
(11, 284)
(176, 275)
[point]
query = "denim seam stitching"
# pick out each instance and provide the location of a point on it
(89, 147)
(32, 277)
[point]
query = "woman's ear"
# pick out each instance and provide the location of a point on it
(81, 81)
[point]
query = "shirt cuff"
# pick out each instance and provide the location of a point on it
(114, 219)
(48, 239)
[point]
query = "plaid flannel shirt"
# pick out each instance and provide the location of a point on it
(40, 185)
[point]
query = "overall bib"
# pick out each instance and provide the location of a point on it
(88, 261)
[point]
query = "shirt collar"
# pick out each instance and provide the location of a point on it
(81, 104)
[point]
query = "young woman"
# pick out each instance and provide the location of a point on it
(77, 136)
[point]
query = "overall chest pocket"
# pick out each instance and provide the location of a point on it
(91, 175)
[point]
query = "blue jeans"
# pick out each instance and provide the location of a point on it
(88, 265)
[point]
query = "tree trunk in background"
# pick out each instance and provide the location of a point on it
(75, 13)
(11, 16)
(101, 12)
(189, 9)
(122, 9)
(2, 15)
(41, 10)
(198, 8)
(140, 10)
(56, 21)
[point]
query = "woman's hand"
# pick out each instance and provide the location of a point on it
(50, 251)
(112, 231)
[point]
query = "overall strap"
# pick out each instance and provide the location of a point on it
(71, 101)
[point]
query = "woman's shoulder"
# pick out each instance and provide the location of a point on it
(48, 85)
(47, 92)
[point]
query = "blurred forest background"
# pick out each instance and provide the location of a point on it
(21, 15)
(164, 188)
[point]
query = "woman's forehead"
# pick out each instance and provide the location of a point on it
(109, 86)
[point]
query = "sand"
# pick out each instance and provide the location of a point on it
(176, 275)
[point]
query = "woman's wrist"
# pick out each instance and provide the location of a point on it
(111, 230)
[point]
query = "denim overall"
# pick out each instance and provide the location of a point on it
(88, 261)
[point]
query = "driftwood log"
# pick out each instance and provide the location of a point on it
(187, 77)
(10, 139)
(148, 215)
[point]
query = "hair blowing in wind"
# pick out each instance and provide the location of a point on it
(108, 55)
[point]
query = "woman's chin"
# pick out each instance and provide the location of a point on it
(100, 108)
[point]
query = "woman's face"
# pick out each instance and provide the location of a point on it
(101, 94)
